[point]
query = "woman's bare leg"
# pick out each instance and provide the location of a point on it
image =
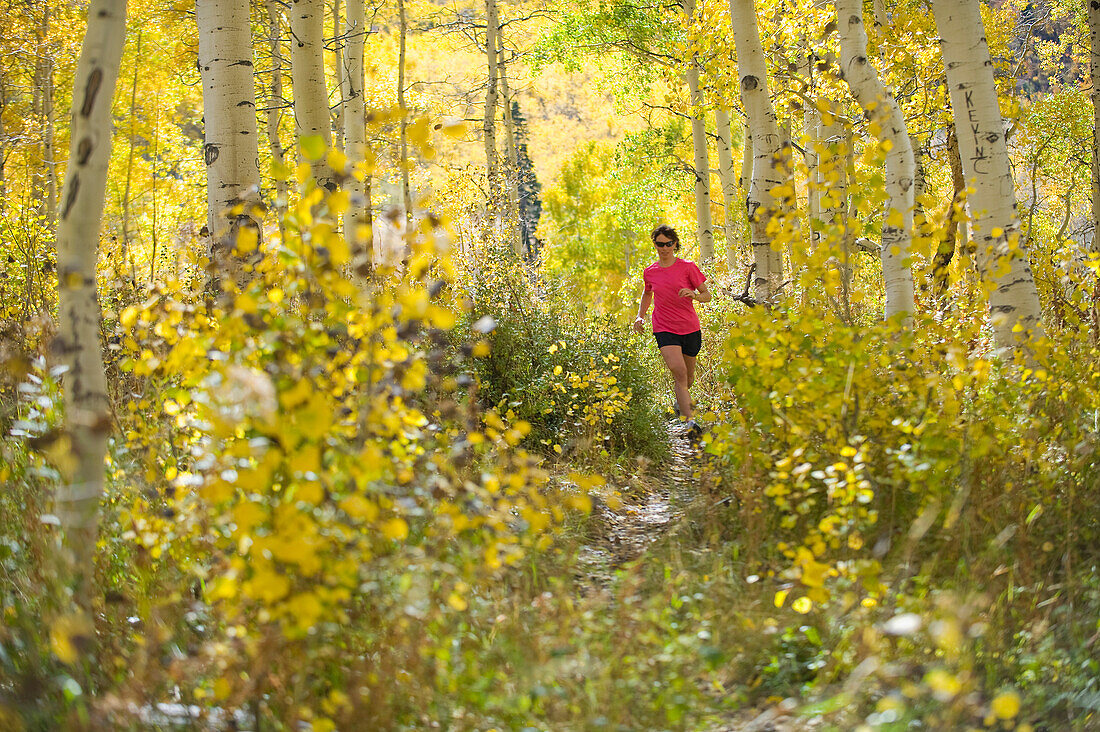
(674, 359)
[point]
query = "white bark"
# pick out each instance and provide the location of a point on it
(834, 168)
(406, 194)
(229, 112)
(727, 176)
(274, 113)
(704, 227)
(87, 409)
(770, 155)
(492, 165)
(1094, 73)
(355, 134)
(512, 177)
(1001, 255)
(307, 74)
(889, 125)
(811, 126)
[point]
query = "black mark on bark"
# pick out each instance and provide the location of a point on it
(91, 91)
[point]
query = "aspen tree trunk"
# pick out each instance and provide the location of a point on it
(274, 111)
(727, 176)
(492, 29)
(307, 74)
(1001, 256)
(885, 115)
(1094, 72)
(811, 124)
(512, 176)
(87, 409)
(835, 168)
(340, 50)
(770, 156)
(744, 182)
(406, 196)
(130, 158)
(356, 229)
(231, 151)
(48, 119)
(704, 227)
(945, 249)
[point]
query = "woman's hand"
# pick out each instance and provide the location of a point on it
(639, 324)
(687, 292)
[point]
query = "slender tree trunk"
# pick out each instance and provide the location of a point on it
(704, 227)
(307, 74)
(1001, 255)
(355, 137)
(406, 195)
(126, 254)
(770, 156)
(512, 176)
(274, 112)
(811, 123)
(727, 176)
(229, 112)
(1094, 72)
(340, 45)
(87, 409)
(945, 249)
(492, 165)
(49, 119)
(885, 115)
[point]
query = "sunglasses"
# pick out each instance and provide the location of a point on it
(660, 243)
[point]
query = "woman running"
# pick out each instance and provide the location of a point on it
(672, 284)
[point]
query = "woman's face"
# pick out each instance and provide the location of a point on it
(666, 248)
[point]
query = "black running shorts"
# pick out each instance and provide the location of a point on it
(689, 343)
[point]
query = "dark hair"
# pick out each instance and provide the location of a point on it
(668, 232)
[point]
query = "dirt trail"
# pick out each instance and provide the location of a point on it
(626, 533)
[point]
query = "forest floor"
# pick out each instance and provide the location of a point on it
(654, 510)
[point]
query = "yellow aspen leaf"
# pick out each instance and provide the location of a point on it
(246, 303)
(944, 685)
(887, 145)
(339, 202)
(360, 508)
(311, 492)
(268, 586)
(802, 605)
(338, 161)
(396, 528)
(306, 459)
(296, 394)
(1006, 705)
(780, 598)
(457, 602)
(247, 240)
(281, 171)
(248, 515)
(313, 147)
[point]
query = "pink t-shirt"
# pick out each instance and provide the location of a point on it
(672, 313)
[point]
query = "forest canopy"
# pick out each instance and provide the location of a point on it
(328, 398)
